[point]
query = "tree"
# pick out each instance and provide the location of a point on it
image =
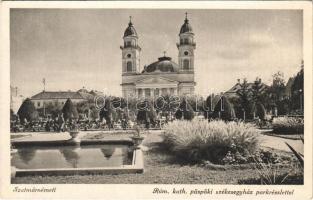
(277, 97)
(69, 110)
(278, 87)
(297, 90)
(258, 110)
(209, 105)
(146, 113)
(107, 112)
(258, 99)
(185, 111)
(83, 107)
(244, 101)
(27, 111)
(224, 110)
(93, 113)
(258, 91)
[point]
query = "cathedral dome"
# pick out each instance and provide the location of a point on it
(186, 27)
(130, 30)
(164, 64)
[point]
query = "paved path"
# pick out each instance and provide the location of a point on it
(279, 143)
(44, 136)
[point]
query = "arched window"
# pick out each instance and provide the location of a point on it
(129, 66)
(186, 41)
(186, 64)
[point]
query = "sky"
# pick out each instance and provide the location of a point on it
(76, 48)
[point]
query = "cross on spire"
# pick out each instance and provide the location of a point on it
(186, 18)
(130, 20)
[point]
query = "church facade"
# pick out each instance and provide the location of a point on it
(163, 76)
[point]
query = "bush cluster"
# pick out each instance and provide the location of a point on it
(288, 125)
(201, 140)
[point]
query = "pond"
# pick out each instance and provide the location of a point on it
(85, 156)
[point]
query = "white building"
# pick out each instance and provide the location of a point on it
(46, 98)
(163, 76)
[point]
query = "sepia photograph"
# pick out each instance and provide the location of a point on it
(158, 96)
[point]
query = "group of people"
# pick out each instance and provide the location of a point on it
(59, 124)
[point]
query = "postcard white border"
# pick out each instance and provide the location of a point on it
(141, 191)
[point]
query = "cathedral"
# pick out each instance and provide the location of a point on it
(163, 76)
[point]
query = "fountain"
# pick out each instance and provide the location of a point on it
(74, 133)
(136, 138)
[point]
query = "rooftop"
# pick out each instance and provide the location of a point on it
(164, 64)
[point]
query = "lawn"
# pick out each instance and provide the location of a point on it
(160, 168)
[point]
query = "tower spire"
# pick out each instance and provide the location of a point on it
(130, 21)
(186, 18)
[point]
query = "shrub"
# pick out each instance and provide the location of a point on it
(185, 111)
(224, 110)
(69, 110)
(146, 113)
(201, 140)
(107, 113)
(27, 111)
(288, 125)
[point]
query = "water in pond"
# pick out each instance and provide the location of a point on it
(88, 156)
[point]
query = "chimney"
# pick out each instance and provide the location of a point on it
(238, 80)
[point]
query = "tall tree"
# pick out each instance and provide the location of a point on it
(27, 111)
(278, 87)
(107, 112)
(69, 110)
(146, 113)
(297, 90)
(244, 100)
(258, 99)
(224, 110)
(185, 111)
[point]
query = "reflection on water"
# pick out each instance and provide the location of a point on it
(72, 157)
(26, 154)
(108, 152)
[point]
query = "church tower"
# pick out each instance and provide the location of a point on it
(130, 51)
(186, 47)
